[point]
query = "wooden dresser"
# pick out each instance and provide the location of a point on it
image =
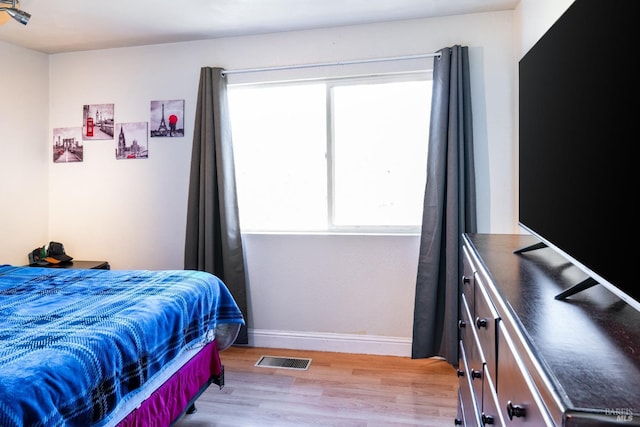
(529, 359)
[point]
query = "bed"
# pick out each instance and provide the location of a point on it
(109, 347)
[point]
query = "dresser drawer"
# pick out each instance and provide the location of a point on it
(467, 281)
(465, 325)
(468, 405)
(491, 414)
(474, 353)
(518, 399)
(485, 323)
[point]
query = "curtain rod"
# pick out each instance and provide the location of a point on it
(328, 64)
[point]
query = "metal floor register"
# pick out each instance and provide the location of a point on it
(298, 363)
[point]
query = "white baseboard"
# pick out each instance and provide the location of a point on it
(341, 343)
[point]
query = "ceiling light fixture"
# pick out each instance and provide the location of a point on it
(13, 10)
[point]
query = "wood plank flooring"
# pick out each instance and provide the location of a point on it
(337, 389)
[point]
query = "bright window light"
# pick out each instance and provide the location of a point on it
(379, 152)
(336, 155)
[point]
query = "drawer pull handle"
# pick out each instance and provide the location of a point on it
(457, 422)
(475, 374)
(460, 373)
(517, 411)
(461, 324)
(466, 280)
(482, 323)
(487, 419)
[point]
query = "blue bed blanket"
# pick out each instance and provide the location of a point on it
(75, 343)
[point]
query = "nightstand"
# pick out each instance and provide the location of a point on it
(87, 265)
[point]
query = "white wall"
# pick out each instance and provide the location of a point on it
(347, 293)
(537, 16)
(24, 111)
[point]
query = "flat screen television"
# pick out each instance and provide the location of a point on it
(578, 129)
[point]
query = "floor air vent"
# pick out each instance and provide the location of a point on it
(283, 362)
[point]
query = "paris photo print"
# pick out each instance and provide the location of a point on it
(167, 119)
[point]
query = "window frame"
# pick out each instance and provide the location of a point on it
(330, 83)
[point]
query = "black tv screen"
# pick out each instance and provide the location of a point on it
(578, 130)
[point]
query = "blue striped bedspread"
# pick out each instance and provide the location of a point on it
(75, 343)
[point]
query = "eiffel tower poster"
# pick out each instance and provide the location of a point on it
(167, 119)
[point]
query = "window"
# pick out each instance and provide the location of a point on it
(333, 155)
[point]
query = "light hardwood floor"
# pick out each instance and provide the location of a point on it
(337, 389)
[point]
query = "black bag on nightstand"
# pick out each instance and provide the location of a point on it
(37, 256)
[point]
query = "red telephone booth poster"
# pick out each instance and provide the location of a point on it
(97, 121)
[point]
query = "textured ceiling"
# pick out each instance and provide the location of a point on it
(74, 25)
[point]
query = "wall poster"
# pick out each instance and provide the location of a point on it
(97, 121)
(167, 118)
(132, 140)
(67, 145)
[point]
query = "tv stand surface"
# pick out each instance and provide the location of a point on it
(581, 357)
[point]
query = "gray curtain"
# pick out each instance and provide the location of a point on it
(449, 208)
(213, 242)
